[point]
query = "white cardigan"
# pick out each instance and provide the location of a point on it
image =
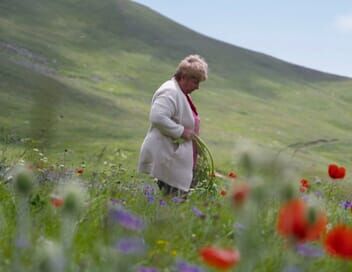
(160, 156)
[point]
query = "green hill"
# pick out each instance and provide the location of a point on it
(79, 75)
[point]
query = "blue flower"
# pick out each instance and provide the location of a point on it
(162, 202)
(308, 250)
(347, 204)
(131, 245)
(127, 219)
(177, 199)
(198, 212)
(186, 267)
(148, 191)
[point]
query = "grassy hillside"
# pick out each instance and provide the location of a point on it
(79, 75)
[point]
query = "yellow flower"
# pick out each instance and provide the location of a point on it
(162, 242)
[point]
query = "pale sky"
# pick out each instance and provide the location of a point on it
(312, 33)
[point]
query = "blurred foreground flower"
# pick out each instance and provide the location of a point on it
(336, 172)
(338, 242)
(240, 193)
(220, 258)
(50, 257)
(298, 221)
(74, 196)
(56, 201)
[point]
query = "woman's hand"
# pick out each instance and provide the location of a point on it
(187, 134)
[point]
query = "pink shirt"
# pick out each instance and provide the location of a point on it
(196, 127)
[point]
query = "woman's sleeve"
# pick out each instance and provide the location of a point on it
(161, 116)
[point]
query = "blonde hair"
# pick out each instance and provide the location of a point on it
(192, 66)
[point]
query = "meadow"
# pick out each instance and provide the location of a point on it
(76, 80)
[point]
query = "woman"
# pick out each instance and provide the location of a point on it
(174, 116)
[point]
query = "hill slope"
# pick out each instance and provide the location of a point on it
(80, 74)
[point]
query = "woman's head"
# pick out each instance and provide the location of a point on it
(192, 66)
(190, 71)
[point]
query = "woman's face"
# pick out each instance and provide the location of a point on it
(188, 84)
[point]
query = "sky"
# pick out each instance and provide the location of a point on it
(311, 33)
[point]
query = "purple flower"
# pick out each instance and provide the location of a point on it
(131, 245)
(308, 250)
(292, 269)
(147, 269)
(347, 204)
(318, 194)
(186, 267)
(198, 212)
(162, 202)
(148, 191)
(177, 199)
(126, 219)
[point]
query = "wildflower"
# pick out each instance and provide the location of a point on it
(50, 256)
(223, 192)
(186, 267)
(220, 258)
(336, 172)
(292, 268)
(308, 250)
(24, 182)
(296, 220)
(56, 201)
(178, 199)
(232, 175)
(127, 219)
(79, 171)
(338, 242)
(162, 202)
(131, 245)
(305, 185)
(318, 194)
(198, 212)
(347, 204)
(74, 197)
(240, 193)
(149, 193)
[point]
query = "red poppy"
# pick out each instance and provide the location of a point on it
(298, 221)
(232, 175)
(79, 171)
(338, 242)
(240, 193)
(223, 192)
(336, 172)
(305, 185)
(220, 258)
(57, 201)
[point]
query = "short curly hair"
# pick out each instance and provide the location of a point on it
(192, 66)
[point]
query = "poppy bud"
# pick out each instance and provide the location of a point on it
(73, 200)
(23, 183)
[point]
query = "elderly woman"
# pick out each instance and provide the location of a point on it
(173, 116)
